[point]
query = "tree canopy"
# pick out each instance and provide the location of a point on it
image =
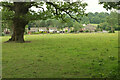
(21, 13)
(111, 5)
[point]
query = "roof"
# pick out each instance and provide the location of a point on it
(90, 27)
(55, 28)
(43, 28)
(33, 29)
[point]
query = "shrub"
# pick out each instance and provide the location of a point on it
(41, 32)
(86, 31)
(37, 33)
(81, 30)
(45, 32)
(3, 34)
(66, 30)
(95, 30)
(71, 31)
(25, 32)
(111, 31)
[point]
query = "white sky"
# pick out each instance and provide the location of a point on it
(94, 6)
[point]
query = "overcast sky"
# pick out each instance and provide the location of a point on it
(93, 6)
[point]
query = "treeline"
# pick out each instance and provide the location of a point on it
(111, 22)
(95, 18)
(91, 18)
(104, 20)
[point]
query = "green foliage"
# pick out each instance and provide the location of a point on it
(111, 22)
(87, 31)
(71, 31)
(26, 26)
(94, 18)
(95, 30)
(7, 24)
(44, 32)
(111, 5)
(41, 31)
(66, 30)
(74, 10)
(77, 26)
(111, 31)
(3, 34)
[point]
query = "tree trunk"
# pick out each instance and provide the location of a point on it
(18, 35)
(112, 29)
(19, 22)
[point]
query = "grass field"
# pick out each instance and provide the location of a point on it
(81, 55)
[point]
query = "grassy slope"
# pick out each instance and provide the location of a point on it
(60, 55)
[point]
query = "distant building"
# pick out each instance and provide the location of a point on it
(52, 29)
(89, 27)
(34, 29)
(43, 29)
(7, 31)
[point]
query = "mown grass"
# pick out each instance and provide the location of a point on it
(95, 24)
(61, 56)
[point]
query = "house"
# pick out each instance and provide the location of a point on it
(7, 31)
(52, 29)
(34, 29)
(90, 28)
(42, 29)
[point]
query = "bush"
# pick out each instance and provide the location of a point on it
(36, 33)
(45, 32)
(81, 30)
(71, 31)
(86, 31)
(111, 31)
(41, 32)
(95, 30)
(3, 34)
(66, 30)
(25, 32)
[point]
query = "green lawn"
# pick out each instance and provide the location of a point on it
(82, 55)
(94, 24)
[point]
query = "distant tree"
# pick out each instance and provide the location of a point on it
(85, 20)
(103, 26)
(94, 18)
(77, 26)
(112, 20)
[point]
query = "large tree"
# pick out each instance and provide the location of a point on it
(111, 5)
(22, 14)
